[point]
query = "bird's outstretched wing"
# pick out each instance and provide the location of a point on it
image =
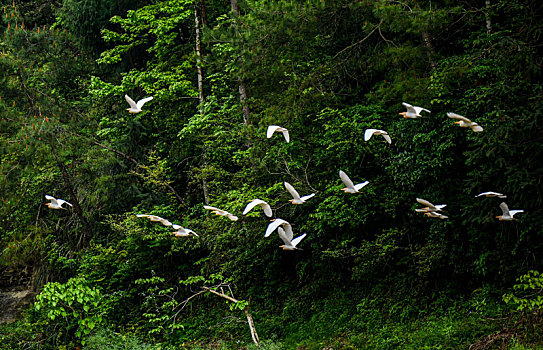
(297, 240)
(426, 203)
(251, 205)
(420, 109)
(156, 219)
(476, 128)
(387, 138)
(410, 108)
(62, 201)
(131, 102)
(284, 236)
(491, 194)
(267, 209)
(504, 208)
(231, 216)
(286, 135)
(292, 191)
(274, 225)
(143, 101)
(458, 116)
(361, 185)
(271, 130)
(368, 134)
(346, 180)
(191, 231)
(304, 198)
(216, 210)
(265, 206)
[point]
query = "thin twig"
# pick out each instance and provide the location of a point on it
(360, 41)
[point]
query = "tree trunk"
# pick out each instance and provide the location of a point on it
(243, 100)
(252, 327)
(242, 86)
(429, 48)
(203, 13)
(487, 17)
(246, 310)
(199, 59)
(200, 83)
(235, 7)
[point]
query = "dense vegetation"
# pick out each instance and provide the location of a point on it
(373, 273)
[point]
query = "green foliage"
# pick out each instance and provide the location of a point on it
(527, 292)
(108, 340)
(74, 305)
(372, 272)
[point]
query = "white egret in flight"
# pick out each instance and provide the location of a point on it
(351, 187)
(265, 206)
(413, 112)
(491, 194)
(286, 237)
(429, 206)
(181, 231)
(296, 199)
(56, 203)
(275, 128)
(275, 224)
(507, 215)
(136, 107)
(221, 212)
(370, 132)
(465, 122)
(155, 219)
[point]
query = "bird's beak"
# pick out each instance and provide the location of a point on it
(457, 122)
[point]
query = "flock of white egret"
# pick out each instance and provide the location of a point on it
(284, 229)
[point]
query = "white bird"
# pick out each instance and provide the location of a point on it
(432, 214)
(274, 128)
(429, 206)
(413, 112)
(155, 219)
(507, 215)
(296, 199)
(136, 107)
(370, 132)
(275, 224)
(56, 203)
(265, 206)
(465, 122)
(351, 187)
(181, 231)
(286, 237)
(221, 212)
(491, 194)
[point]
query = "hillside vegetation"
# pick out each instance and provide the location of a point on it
(371, 272)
